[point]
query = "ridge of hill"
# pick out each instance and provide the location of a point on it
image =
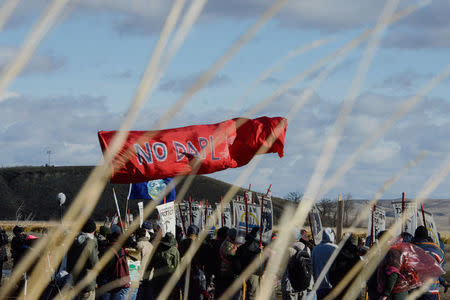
(33, 190)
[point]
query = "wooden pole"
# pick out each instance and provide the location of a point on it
(221, 210)
(403, 212)
(190, 211)
(206, 211)
(261, 222)
(372, 238)
(423, 215)
(340, 219)
(246, 213)
(182, 219)
(127, 221)
(311, 228)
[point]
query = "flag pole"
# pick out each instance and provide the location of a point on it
(190, 211)
(371, 227)
(423, 215)
(246, 213)
(206, 211)
(221, 209)
(182, 219)
(403, 212)
(261, 222)
(311, 228)
(127, 220)
(118, 211)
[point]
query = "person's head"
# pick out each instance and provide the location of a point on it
(104, 230)
(407, 237)
(192, 231)
(89, 226)
(328, 235)
(421, 233)
(361, 241)
(140, 233)
(232, 234)
(18, 230)
(113, 237)
(148, 225)
(169, 240)
(222, 233)
(304, 234)
(116, 228)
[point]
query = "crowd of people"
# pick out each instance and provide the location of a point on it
(220, 260)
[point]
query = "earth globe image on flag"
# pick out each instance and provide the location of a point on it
(155, 187)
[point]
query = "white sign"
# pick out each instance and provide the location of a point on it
(379, 221)
(253, 212)
(431, 225)
(316, 225)
(166, 217)
(267, 217)
(411, 223)
(141, 213)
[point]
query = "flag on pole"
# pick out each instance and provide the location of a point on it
(149, 155)
(150, 190)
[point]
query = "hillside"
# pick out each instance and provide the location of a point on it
(35, 189)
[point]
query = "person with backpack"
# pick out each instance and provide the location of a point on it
(319, 256)
(3, 256)
(344, 262)
(421, 240)
(297, 279)
(163, 264)
(245, 254)
(85, 250)
(229, 265)
(116, 273)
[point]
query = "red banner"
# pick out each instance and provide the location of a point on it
(148, 155)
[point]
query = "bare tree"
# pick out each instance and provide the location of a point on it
(328, 210)
(349, 207)
(295, 197)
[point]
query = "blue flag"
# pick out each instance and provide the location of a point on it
(151, 189)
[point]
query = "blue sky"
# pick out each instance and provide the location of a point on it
(84, 73)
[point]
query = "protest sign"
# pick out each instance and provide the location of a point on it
(166, 217)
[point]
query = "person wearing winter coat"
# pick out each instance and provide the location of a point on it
(287, 290)
(3, 256)
(228, 264)
(84, 250)
(245, 254)
(319, 256)
(163, 264)
(18, 244)
(344, 262)
(421, 240)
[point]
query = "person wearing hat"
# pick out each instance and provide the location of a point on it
(421, 239)
(84, 248)
(18, 244)
(163, 264)
(246, 253)
(229, 265)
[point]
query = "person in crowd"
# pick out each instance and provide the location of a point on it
(229, 266)
(245, 254)
(392, 284)
(17, 244)
(163, 264)
(421, 239)
(361, 246)
(144, 249)
(82, 257)
(344, 262)
(294, 280)
(320, 255)
(4, 240)
(197, 281)
(305, 239)
(148, 226)
(116, 271)
(442, 281)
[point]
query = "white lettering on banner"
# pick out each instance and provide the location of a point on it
(160, 151)
(411, 223)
